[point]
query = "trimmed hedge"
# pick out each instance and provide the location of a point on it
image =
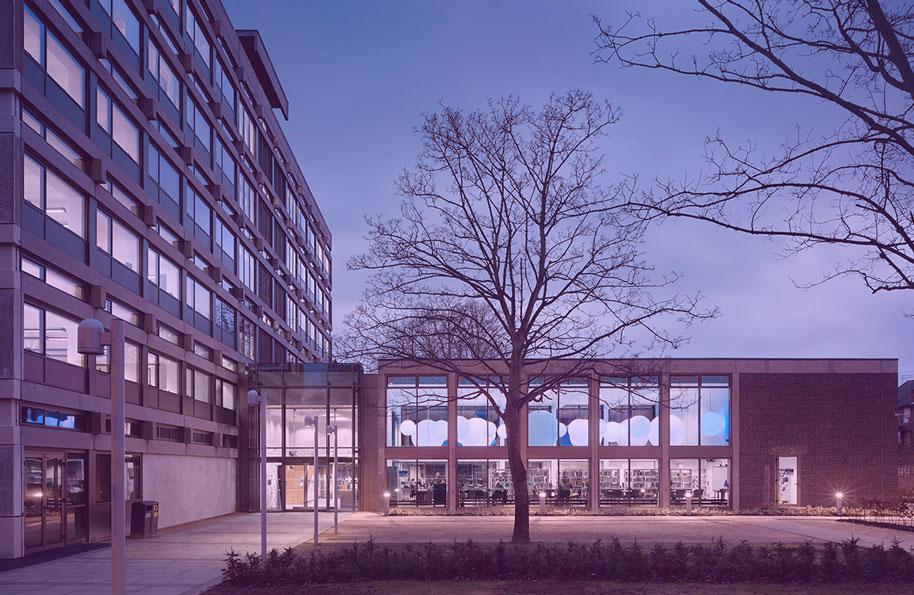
(714, 563)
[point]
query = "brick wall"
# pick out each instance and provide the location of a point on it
(841, 427)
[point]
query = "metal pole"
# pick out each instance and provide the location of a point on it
(316, 480)
(336, 480)
(262, 408)
(118, 459)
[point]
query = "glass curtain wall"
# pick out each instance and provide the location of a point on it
(478, 423)
(484, 483)
(417, 482)
(629, 411)
(559, 418)
(563, 482)
(705, 481)
(417, 411)
(700, 411)
(294, 393)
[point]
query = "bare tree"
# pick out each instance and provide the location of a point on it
(851, 186)
(509, 253)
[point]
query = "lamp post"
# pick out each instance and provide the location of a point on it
(311, 420)
(91, 339)
(254, 398)
(336, 481)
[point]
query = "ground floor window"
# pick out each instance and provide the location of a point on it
(484, 483)
(629, 482)
(562, 482)
(417, 482)
(704, 481)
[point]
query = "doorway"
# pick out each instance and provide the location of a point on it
(54, 499)
(788, 481)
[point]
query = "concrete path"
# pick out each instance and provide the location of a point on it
(645, 529)
(185, 559)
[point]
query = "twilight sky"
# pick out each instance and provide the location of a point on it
(359, 75)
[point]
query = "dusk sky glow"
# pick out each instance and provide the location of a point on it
(359, 75)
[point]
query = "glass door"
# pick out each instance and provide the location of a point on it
(54, 499)
(788, 480)
(275, 486)
(299, 486)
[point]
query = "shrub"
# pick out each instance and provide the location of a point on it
(717, 562)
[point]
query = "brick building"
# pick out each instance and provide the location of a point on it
(744, 434)
(145, 176)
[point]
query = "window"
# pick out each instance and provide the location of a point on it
(560, 418)
(132, 489)
(225, 323)
(112, 119)
(54, 58)
(163, 273)
(197, 122)
(59, 201)
(37, 416)
(116, 240)
(705, 481)
(564, 482)
(417, 411)
(201, 43)
(225, 393)
(248, 129)
(247, 335)
(629, 482)
(131, 362)
(53, 139)
(478, 422)
(52, 277)
(700, 410)
(162, 372)
(162, 72)
(224, 162)
(167, 333)
(417, 482)
(223, 82)
(51, 334)
(247, 267)
(202, 350)
(124, 21)
(198, 297)
(229, 364)
(198, 213)
(225, 243)
(125, 313)
(629, 411)
(196, 385)
(165, 176)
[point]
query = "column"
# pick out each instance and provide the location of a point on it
(734, 442)
(664, 441)
(593, 419)
(451, 442)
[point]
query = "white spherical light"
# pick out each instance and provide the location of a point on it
(654, 435)
(476, 432)
(612, 431)
(463, 428)
(502, 431)
(639, 426)
(408, 428)
(577, 432)
(712, 423)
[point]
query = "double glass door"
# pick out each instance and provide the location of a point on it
(290, 485)
(54, 498)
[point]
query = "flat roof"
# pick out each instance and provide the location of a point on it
(257, 53)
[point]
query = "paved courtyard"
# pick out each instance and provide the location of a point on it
(647, 529)
(185, 559)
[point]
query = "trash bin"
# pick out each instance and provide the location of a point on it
(144, 518)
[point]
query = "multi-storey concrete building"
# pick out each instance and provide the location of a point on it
(144, 176)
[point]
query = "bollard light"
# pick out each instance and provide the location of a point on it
(839, 503)
(385, 503)
(542, 496)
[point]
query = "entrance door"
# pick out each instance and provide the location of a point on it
(299, 486)
(788, 480)
(54, 498)
(275, 486)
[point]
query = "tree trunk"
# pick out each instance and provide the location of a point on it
(518, 477)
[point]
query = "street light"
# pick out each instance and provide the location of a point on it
(336, 481)
(311, 420)
(91, 339)
(254, 398)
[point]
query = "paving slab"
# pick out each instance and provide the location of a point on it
(180, 560)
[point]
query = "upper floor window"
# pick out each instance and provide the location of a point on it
(700, 410)
(123, 19)
(55, 198)
(112, 119)
(52, 277)
(164, 75)
(199, 214)
(478, 421)
(53, 139)
(223, 82)
(162, 372)
(225, 393)
(197, 122)
(115, 239)
(201, 43)
(224, 162)
(51, 334)
(163, 273)
(44, 47)
(198, 297)
(247, 198)
(197, 385)
(164, 175)
(560, 416)
(629, 411)
(247, 128)
(416, 410)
